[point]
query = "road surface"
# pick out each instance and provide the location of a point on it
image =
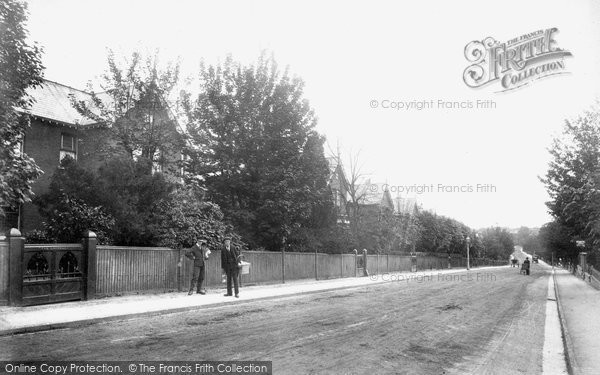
(482, 322)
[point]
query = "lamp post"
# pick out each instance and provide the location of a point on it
(468, 260)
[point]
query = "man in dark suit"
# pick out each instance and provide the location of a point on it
(230, 258)
(526, 265)
(198, 253)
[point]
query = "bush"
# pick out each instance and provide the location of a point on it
(38, 236)
(72, 217)
(131, 194)
(179, 220)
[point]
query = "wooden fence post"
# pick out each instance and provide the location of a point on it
(387, 261)
(316, 264)
(342, 265)
(16, 245)
(89, 247)
(378, 264)
(355, 261)
(365, 270)
(283, 263)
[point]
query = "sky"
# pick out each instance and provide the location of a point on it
(359, 57)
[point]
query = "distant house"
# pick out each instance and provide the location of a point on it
(375, 198)
(405, 206)
(339, 189)
(59, 130)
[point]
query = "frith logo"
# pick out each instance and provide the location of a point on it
(515, 63)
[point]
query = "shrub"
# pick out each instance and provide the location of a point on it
(72, 217)
(38, 236)
(181, 218)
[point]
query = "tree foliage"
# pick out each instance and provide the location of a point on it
(184, 217)
(557, 239)
(255, 146)
(439, 234)
(131, 194)
(573, 176)
(134, 106)
(126, 205)
(71, 217)
(122, 187)
(20, 70)
(573, 183)
(498, 243)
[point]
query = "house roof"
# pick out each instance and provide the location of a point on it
(375, 193)
(336, 173)
(52, 102)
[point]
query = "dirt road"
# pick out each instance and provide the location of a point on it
(484, 322)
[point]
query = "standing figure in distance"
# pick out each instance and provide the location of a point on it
(229, 264)
(199, 254)
(527, 265)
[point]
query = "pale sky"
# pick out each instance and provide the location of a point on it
(351, 53)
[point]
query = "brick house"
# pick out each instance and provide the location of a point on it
(57, 130)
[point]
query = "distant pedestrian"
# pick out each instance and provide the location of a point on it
(526, 265)
(199, 254)
(230, 258)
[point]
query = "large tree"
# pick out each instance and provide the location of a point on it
(572, 178)
(557, 240)
(497, 243)
(573, 183)
(255, 147)
(20, 70)
(133, 105)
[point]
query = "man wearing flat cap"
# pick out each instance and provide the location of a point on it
(230, 257)
(198, 253)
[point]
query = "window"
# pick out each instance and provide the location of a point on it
(67, 142)
(68, 146)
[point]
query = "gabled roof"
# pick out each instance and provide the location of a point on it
(375, 193)
(378, 194)
(53, 103)
(337, 179)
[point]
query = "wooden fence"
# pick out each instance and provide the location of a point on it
(126, 270)
(135, 269)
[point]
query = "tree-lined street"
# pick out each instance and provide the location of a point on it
(484, 321)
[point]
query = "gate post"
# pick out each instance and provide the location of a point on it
(16, 247)
(89, 246)
(365, 270)
(355, 260)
